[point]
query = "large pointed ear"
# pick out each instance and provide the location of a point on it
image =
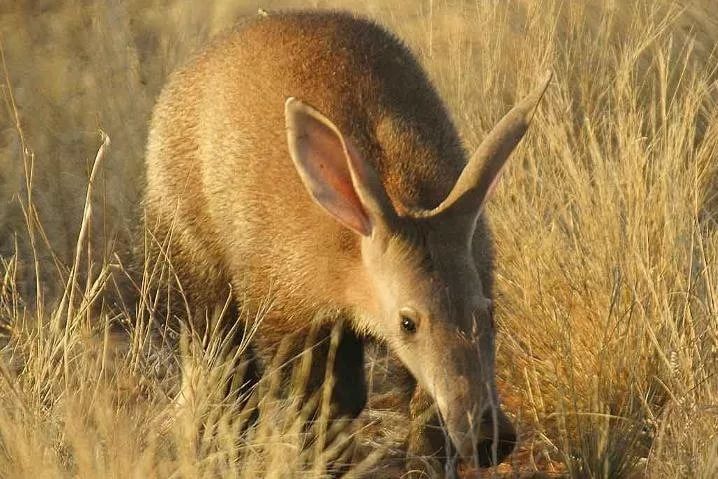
(334, 172)
(481, 173)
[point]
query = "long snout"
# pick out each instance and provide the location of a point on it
(486, 439)
(472, 415)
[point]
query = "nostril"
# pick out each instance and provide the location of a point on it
(506, 440)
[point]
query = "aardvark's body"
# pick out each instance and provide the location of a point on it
(306, 158)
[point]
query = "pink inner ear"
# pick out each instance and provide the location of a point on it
(336, 173)
(321, 161)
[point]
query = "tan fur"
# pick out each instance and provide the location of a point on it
(306, 158)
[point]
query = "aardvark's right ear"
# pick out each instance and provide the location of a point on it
(480, 175)
(335, 174)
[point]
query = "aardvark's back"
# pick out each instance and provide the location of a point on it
(219, 173)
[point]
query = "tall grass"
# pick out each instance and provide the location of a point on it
(604, 223)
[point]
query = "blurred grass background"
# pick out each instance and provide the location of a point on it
(605, 227)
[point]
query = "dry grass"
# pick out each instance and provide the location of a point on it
(605, 224)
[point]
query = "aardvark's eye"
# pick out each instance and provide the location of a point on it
(408, 318)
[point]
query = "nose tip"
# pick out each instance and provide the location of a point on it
(496, 442)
